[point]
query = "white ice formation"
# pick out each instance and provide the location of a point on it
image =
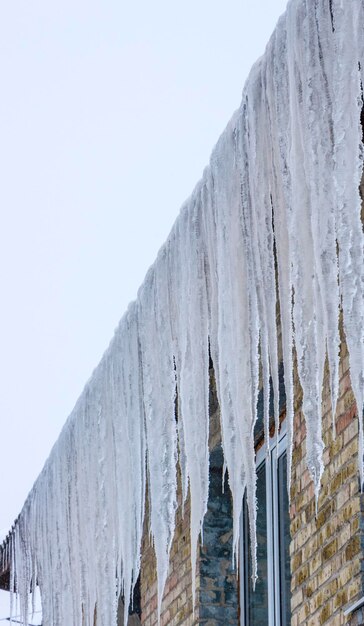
(274, 220)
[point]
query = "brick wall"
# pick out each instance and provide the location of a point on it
(177, 600)
(326, 550)
(216, 582)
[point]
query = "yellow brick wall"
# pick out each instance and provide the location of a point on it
(326, 550)
(177, 599)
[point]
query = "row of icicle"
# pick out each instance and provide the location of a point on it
(275, 219)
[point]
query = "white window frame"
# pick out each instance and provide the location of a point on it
(277, 449)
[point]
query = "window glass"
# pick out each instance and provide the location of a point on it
(284, 541)
(269, 604)
(256, 605)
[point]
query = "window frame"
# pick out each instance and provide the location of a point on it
(277, 449)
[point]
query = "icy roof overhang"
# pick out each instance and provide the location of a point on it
(281, 192)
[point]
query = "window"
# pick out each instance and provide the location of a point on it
(269, 604)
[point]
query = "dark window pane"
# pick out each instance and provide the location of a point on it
(256, 602)
(284, 541)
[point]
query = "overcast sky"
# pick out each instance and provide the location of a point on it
(108, 114)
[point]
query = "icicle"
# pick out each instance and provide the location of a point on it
(129, 445)
(307, 309)
(159, 389)
(321, 134)
(348, 165)
(13, 565)
(262, 238)
(317, 133)
(237, 332)
(78, 503)
(186, 250)
(280, 182)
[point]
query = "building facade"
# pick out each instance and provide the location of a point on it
(272, 231)
(323, 548)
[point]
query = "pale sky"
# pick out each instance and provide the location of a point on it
(108, 114)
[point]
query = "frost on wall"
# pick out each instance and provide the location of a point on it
(275, 219)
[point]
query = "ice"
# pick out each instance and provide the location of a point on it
(75, 535)
(272, 232)
(348, 163)
(186, 249)
(159, 394)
